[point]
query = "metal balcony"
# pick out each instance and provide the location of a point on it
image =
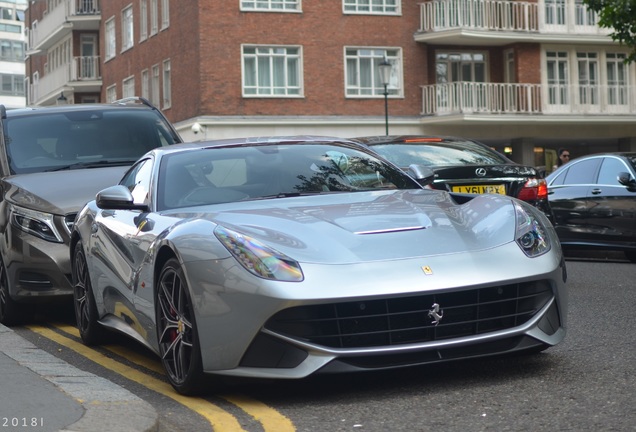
(60, 21)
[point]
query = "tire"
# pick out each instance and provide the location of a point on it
(177, 331)
(631, 255)
(11, 312)
(91, 332)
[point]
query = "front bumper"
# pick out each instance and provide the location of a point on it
(37, 270)
(248, 330)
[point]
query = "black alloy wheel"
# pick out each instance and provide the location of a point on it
(91, 332)
(11, 312)
(177, 331)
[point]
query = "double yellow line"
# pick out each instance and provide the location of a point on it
(220, 420)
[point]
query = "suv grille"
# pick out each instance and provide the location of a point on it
(405, 320)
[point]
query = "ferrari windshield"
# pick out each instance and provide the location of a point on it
(443, 153)
(227, 174)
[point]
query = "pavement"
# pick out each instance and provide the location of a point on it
(43, 393)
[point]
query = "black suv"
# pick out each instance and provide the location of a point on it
(52, 161)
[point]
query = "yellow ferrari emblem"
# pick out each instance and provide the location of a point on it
(427, 270)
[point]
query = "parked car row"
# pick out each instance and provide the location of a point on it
(293, 255)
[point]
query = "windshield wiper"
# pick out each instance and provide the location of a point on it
(93, 164)
(289, 195)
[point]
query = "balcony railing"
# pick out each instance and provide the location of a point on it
(65, 15)
(508, 15)
(81, 71)
(503, 98)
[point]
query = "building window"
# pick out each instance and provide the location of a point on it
(167, 89)
(127, 28)
(10, 28)
(145, 84)
(154, 86)
(616, 79)
(555, 12)
(362, 72)
(165, 14)
(588, 77)
(11, 50)
(154, 17)
(12, 85)
(271, 5)
(460, 67)
(510, 75)
(557, 75)
(381, 7)
(111, 39)
(584, 17)
(128, 87)
(271, 71)
(143, 20)
(111, 93)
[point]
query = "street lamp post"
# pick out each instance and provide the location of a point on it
(385, 77)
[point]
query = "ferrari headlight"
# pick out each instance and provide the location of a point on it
(36, 223)
(258, 258)
(531, 235)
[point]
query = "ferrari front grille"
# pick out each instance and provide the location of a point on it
(413, 319)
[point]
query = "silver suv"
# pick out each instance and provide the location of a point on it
(52, 161)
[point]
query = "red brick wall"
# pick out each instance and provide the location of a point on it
(204, 45)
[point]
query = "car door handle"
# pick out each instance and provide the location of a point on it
(596, 191)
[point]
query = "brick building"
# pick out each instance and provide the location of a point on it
(525, 77)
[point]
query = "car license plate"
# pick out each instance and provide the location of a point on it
(481, 189)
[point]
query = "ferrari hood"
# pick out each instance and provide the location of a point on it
(60, 192)
(375, 225)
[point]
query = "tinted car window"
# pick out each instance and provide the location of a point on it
(583, 172)
(440, 154)
(609, 171)
(40, 142)
(211, 176)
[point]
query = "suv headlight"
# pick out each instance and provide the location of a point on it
(531, 234)
(36, 223)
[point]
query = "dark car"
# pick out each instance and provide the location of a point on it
(464, 166)
(594, 202)
(52, 161)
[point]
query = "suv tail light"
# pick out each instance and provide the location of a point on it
(534, 189)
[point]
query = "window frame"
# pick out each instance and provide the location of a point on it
(356, 7)
(244, 7)
(128, 86)
(143, 20)
(165, 14)
(261, 91)
(110, 39)
(377, 54)
(127, 28)
(166, 84)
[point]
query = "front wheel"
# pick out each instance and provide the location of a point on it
(177, 331)
(91, 332)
